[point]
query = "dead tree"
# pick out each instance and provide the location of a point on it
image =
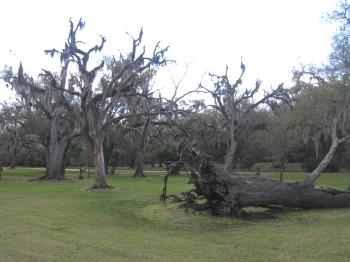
(144, 106)
(116, 80)
(142, 144)
(47, 95)
(227, 194)
(235, 105)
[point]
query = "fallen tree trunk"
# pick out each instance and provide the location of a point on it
(228, 194)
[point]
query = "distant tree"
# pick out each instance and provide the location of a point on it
(11, 121)
(23, 135)
(235, 105)
(208, 128)
(281, 137)
(143, 120)
(324, 105)
(162, 146)
(322, 115)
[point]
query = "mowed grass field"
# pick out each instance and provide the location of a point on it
(63, 221)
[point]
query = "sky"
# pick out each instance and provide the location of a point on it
(271, 36)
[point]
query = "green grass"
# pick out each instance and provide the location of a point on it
(63, 221)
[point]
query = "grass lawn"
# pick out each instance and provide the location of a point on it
(63, 221)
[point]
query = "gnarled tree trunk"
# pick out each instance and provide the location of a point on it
(61, 135)
(53, 103)
(56, 158)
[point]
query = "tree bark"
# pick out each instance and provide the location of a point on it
(310, 179)
(141, 149)
(229, 166)
(95, 139)
(61, 134)
(57, 160)
(100, 174)
(139, 167)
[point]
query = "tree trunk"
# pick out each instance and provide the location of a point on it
(228, 194)
(229, 166)
(13, 159)
(113, 170)
(139, 167)
(281, 170)
(100, 173)
(141, 149)
(107, 151)
(310, 180)
(57, 160)
(81, 172)
(114, 162)
(13, 150)
(61, 134)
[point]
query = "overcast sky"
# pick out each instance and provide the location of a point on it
(272, 36)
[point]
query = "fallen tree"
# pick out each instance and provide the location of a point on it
(228, 193)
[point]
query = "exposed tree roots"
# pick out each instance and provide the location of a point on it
(102, 185)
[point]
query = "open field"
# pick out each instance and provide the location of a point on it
(63, 221)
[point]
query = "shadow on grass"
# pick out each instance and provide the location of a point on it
(261, 214)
